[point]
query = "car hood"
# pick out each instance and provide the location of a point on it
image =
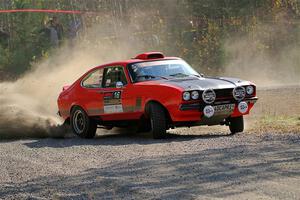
(194, 83)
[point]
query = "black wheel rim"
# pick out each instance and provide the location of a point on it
(79, 121)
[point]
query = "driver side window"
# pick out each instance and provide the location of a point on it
(112, 75)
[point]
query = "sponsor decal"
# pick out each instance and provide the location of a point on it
(113, 109)
(243, 107)
(117, 95)
(113, 102)
(208, 111)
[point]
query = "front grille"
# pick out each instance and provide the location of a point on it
(227, 93)
(224, 93)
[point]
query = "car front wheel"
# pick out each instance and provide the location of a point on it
(236, 124)
(81, 124)
(158, 121)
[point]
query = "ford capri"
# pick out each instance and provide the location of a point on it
(153, 93)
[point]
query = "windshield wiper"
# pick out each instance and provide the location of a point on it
(179, 74)
(148, 76)
(183, 75)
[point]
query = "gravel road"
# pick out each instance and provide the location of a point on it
(244, 166)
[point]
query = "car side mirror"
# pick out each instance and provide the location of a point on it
(119, 84)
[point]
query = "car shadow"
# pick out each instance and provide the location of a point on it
(118, 139)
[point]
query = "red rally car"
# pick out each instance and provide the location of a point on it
(154, 93)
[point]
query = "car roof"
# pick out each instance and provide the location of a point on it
(138, 60)
(144, 57)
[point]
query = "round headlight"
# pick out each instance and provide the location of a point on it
(249, 89)
(195, 95)
(239, 93)
(209, 96)
(186, 96)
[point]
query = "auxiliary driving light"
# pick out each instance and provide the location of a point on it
(239, 93)
(243, 107)
(209, 96)
(208, 111)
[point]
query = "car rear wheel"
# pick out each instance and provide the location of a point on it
(236, 124)
(81, 124)
(158, 121)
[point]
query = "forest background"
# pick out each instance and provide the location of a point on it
(212, 35)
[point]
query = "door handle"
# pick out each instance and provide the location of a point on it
(103, 92)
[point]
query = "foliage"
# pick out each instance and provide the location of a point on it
(195, 30)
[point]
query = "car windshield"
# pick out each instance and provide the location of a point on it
(162, 69)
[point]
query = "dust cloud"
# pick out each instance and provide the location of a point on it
(268, 56)
(28, 105)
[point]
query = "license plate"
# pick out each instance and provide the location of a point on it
(224, 108)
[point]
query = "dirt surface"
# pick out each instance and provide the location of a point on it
(196, 163)
(244, 166)
(279, 100)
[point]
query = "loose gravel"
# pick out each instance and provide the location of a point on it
(184, 166)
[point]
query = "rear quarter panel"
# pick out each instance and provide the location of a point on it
(67, 99)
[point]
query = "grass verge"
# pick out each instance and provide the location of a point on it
(276, 124)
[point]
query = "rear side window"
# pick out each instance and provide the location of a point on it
(94, 79)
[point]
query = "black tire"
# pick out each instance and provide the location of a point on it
(144, 126)
(158, 121)
(81, 124)
(236, 125)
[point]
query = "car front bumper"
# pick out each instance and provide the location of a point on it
(194, 111)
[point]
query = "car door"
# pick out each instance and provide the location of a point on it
(117, 102)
